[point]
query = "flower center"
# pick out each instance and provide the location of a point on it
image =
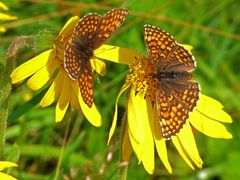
(140, 77)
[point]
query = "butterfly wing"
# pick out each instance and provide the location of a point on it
(162, 47)
(175, 98)
(85, 82)
(78, 52)
(174, 102)
(83, 33)
(109, 23)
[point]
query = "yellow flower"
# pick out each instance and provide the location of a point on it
(142, 133)
(4, 165)
(48, 67)
(5, 17)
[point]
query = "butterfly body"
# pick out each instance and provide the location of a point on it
(176, 94)
(91, 32)
(162, 76)
(82, 50)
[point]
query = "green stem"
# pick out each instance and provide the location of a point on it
(124, 169)
(5, 90)
(68, 117)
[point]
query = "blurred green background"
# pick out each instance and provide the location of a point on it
(211, 27)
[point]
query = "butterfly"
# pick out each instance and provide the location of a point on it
(176, 94)
(91, 32)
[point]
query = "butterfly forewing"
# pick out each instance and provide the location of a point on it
(109, 24)
(87, 26)
(159, 43)
(162, 47)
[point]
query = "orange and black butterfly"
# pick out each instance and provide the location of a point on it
(90, 33)
(176, 94)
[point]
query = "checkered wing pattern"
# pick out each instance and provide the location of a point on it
(85, 82)
(90, 32)
(83, 33)
(87, 27)
(176, 95)
(174, 103)
(110, 22)
(162, 47)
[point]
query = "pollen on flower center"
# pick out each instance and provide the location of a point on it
(140, 77)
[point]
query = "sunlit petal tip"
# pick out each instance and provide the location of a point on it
(187, 47)
(187, 141)
(212, 109)
(63, 101)
(2, 29)
(149, 169)
(116, 54)
(31, 66)
(4, 6)
(91, 113)
(7, 17)
(182, 152)
(60, 111)
(209, 127)
(69, 26)
(99, 66)
(7, 164)
(137, 148)
(160, 143)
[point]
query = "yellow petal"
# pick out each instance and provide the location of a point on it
(74, 101)
(6, 176)
(140, 130)
(114, 122)
(68, 27)
(212, 109)
(208, 126)
(181, 151)
(63, 100)
(92, 113)
(6, 164)
(136, 146)
(148, 158)
(54, 90)
(116, 54)
(187, 47)
(160, 142)
(7, 17)
(187, 140)
(99, 66)
(126, 146)
(135, 114)
(3, 6)
(40, 78)
(31, 66)
(2, 29)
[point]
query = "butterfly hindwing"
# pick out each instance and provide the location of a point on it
(174, 103)
(85, 82)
